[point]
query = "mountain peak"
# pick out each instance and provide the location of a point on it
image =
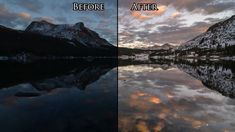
(44, 21)
(41, 22)
(37, 26)
(77, 34)
(79, 24)
(168, 46)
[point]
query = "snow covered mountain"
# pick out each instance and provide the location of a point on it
(76, 34)
(43, 39)
(219, 36)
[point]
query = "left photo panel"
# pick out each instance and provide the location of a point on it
(58, 65)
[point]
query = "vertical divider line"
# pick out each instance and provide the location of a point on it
(117, 64)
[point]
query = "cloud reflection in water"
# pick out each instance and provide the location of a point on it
(153, 99)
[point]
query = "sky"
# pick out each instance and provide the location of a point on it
(176, 21)
(18, 14)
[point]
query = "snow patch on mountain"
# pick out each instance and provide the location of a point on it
(76, 33)
(220, 35)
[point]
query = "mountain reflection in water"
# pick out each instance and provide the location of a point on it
(153, 95)
(58, 96)
(158, 95)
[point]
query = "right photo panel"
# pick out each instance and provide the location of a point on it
(176, 65)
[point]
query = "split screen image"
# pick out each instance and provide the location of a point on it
(117, 65)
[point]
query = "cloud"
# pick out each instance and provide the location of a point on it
(175, 14)
(25, 15)
(172, 31)
(214, 20)
(45, 18)
(61, 19)
(177, 34)
(178, 21)
(144, 15)
(140, 16)
(31, 5)
(104, 22)
(19, 13)
(200, 6)
(219, 7)
(12, 19)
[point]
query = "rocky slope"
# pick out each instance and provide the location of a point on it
(46, 39)
(76, 34)
(218, 37)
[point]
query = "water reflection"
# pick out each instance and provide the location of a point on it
(176, 96)
(60, 96)
(215, 75)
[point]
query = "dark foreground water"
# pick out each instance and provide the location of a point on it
(153, 95)
(180, 96)
(58, 96)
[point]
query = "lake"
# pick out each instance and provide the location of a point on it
(149, 95)
(58, 96)
(185, 96)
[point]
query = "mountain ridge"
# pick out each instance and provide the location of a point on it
(30, 43)
(76, 33)
(218, 37)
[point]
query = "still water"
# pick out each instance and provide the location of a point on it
(176, 96)
(82, 95)
(58, 96)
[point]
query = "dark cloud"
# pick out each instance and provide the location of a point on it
(202, 6)
(219, 7)
(215, 20)
(171, 24)
(31, 5)
(48, 19)
(176, 25)
(61, 19)
(63, 5)
(177, 34)
(172, 32)
(13, 14)
(106, 31)
(104, 22)
(11, 19)
(127, 37)
(168, 28)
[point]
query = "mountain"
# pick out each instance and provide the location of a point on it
(162, 47)
(47, 39)
(218, 39)
(167, 46)
(76, 34)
